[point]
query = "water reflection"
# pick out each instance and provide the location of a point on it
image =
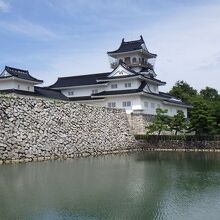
(151, 185)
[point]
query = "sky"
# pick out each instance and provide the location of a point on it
(54, 38)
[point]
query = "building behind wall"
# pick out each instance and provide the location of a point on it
(131, 84)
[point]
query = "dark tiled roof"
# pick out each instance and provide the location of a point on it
(106, 79)
(19, 92)
(50, 93)
(21, 74)
(155, 80)
(78, 80)
(84, 98)
(95, 79)
(127, 46)
(39, 92)
(146, 69)
(116, 92)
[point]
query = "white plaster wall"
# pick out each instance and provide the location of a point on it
(13, 84)
(5, 73)
(152, 88)
(172, 109)
(6, 85)
(135, 83)
(87, 91)
(137, 104)
(82, 91)
(24, 86)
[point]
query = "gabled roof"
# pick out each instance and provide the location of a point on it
(98, 78)
(19, 73)
(127, 46)
(80, 80)
(50, 93)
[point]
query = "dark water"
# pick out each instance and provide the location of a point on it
(149, 185)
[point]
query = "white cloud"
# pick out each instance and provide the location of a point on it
(188, 47)
(186, 41)
(28, 29)
(4, 6)
(187, 44)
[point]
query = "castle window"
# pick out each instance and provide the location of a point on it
(94, 91)
(127, 85)
(134, 60)
(18, 86)
(28, 88)
(128, 60)
(111, 104)
(126, 104)
(114, 86)
(152, 105)
(146, 104)
(70, 93)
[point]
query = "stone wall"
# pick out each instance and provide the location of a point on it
(138, 122)
(40, 129)
(179, 145)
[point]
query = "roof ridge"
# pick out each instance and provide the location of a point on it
(16, 69)
(91, 74)
(132, 41)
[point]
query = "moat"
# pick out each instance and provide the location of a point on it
(145, 185)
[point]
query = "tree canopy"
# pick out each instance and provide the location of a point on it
(209, 93)
(205, 115)
(183, 91)
(160, 122)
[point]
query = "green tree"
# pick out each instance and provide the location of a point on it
(160, 123)
(183, 91)
(202, 121)
(178, 122)
(216, 113)
(209, 93)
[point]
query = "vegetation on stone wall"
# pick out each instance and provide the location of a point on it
(164, 123)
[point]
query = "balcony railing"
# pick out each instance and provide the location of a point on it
(114, 64)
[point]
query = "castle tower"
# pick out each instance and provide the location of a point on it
(135, 55)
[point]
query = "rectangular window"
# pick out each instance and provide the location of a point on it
(71, 93)
(94, 91)
(114, 86)
(126, 104)
(152, 105)
(127, 85)
(111, 104)
(158, 105)
(146, 104)
(28, 88)
(18, 86)
(127, 60)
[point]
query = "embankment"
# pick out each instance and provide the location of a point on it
(33, 129)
